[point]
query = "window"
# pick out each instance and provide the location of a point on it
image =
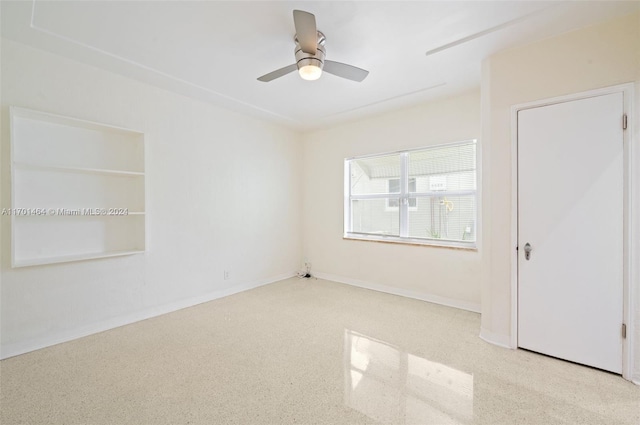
(423, 196)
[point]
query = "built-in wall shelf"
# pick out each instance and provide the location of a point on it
(70, 258)
(27, 165)
(78, 189)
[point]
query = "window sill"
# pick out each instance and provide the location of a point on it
(413, 242)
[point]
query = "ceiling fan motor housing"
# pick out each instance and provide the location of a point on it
(303, 58)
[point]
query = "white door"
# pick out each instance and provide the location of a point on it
(570, 212)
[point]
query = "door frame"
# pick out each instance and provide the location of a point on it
(631, 225)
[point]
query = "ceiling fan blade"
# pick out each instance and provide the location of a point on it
(306, 31)
(278, 73)
(345, 71)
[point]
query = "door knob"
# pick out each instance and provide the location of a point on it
(527, 251)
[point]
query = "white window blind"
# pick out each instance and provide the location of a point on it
(423, 196)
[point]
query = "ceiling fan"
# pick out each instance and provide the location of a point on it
(310, 52)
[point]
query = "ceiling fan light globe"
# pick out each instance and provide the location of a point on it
(310, 72)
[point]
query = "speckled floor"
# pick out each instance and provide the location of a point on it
(306, 352)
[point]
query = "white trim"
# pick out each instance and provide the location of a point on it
(348, 220)
(436, 299)
(12, 171)
(14, 349)
(628, 362)
(500, 340)
(513, 340)
(632, 316)
(629, 166)
(446, 243)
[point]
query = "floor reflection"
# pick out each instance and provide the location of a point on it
(392, 386)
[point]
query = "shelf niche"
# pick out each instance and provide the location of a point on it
(67, 170)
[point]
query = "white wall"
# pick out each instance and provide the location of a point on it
(223, 193)
(586, 59)
(433, 273)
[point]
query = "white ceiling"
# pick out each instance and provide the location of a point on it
(215, 50)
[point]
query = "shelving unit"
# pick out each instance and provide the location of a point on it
(86, 182)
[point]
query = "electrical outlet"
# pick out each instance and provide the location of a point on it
(226, 275)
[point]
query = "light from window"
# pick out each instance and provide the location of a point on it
(424, 196)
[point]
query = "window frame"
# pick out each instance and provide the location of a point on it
(403, 201)
(394, 208)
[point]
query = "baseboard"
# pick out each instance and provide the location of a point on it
(463, 305)
(22, 347)
(496, 339)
